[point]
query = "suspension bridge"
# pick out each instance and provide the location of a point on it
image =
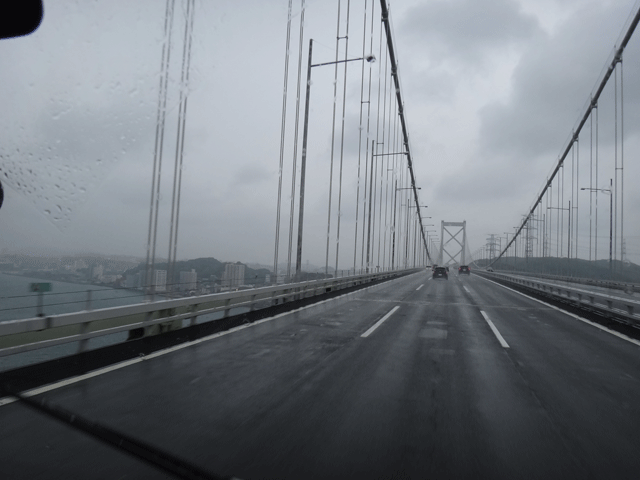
(366, 367)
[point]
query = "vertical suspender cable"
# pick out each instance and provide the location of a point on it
(550, 210)
(561, 199)
(375, 163)
(344, 103)
(366, 156)
(384, 113)
(369, 210)
(182, 119)
(622, 245)
(573, 167)
(282, 136)
(577, 191)
(387, 230)
(333, 136)
(367, 194)
(595, 257)
(295, 142)
(157, 149)
(615, 161)
(386, 139)
(177, 170)
(395, 195)
(558, 225)
(360, 128)
(591, 185)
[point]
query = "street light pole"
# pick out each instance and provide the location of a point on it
(610, 226)
(608, 191)
(303, 162)
(395, 197)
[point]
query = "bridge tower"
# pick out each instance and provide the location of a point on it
(457, 251)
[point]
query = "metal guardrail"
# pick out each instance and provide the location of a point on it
(17, 336)
(625, 287)
(611, 306)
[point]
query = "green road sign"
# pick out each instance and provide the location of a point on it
(40, 287)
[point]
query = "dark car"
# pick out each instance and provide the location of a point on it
(464, 269)
(440, 272)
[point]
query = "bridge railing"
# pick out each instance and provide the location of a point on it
(624, 309)
(610, 284)
(18, 336)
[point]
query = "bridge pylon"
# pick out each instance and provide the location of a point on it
(456, 252)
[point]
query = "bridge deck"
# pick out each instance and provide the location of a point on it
(430, 393)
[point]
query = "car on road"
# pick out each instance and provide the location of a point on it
(489, 269)
(440, 272)
(464, 269)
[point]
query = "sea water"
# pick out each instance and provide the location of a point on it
(18, 302)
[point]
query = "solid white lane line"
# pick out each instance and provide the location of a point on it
(495, 330)
(419, 287)
(467, 290)
(126, 363)
(578, 317)
(380, 322)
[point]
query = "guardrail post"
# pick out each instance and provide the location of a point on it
(610, 304)
(226, 310)
(630, 309)
(40, 304)
(147, 328)
(88, 306)
(192, 320)
(253, 303)
(82, 344)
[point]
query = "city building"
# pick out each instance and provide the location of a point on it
(97, 273)
(188, 280)
(233, 275)
(160, 280)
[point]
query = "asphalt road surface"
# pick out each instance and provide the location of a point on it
(414, 378)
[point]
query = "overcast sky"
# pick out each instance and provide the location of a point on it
(492, 90)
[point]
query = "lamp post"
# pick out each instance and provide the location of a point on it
(407, 236)
(608, 191)
(426, 225)
(429, 242)
(305, 131)
(569, 229)
(395, 195)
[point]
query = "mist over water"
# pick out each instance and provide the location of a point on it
(17, 301)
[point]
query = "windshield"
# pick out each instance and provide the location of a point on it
(276, 177)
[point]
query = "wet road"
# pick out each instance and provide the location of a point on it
(414, 378)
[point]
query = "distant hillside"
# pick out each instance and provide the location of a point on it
(570, 267)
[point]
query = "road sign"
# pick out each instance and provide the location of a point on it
(40, 287)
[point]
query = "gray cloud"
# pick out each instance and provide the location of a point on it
(467, 31)
(491, 92)
(551, 84)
